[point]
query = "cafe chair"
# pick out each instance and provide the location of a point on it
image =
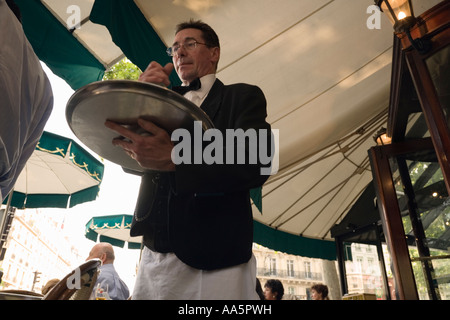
(77, 285)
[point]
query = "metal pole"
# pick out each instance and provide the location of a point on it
(8, 204)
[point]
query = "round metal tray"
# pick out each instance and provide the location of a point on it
(124, 101)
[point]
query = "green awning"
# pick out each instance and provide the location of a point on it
(57, 47)
(293, 244)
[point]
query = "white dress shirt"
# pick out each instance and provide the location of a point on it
(109, 280)
(198, 96)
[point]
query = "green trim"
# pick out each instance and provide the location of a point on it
(109, 222)
(17, 201)
(114, 242)
(292, 244)
(54, 144)
(91, 234)
(47, 201)
(59, 145)
(83, 196)
(86, 161)
(134, 245)
(256, 195)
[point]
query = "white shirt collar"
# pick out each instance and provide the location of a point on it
(200, 95)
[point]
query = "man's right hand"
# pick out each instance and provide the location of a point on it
(157, 74)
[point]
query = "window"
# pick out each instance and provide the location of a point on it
(290, 268)
(308, 273)
(371, 265)
(273, 266)
(359, 264)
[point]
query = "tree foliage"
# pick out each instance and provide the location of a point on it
(123, 70)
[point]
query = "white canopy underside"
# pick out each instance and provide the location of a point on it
(46, 173)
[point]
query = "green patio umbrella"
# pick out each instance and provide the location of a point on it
(113, 229)
(59, 174)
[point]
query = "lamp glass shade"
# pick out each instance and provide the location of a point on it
(383, 140)
(397, 10)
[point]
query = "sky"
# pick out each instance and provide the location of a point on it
(118, 190)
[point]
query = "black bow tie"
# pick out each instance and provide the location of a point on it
(194, 85)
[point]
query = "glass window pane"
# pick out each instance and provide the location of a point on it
(425, 207)
(416, 127)
(439, 68)
(364, 272)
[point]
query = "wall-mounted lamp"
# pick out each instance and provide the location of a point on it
(401, 15)
(381, 137)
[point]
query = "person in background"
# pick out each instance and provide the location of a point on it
(319, 292)
(273, 290)
(49, 285)
(259, 290)
(26, 98)
(108, 279)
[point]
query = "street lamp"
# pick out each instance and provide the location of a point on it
(401, 15)
(381, 137)
(399, 12)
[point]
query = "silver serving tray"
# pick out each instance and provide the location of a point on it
(124, 101)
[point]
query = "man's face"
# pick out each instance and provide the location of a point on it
(195, 63)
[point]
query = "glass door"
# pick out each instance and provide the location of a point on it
(425, 210)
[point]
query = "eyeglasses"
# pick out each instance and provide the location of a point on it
(189, 46)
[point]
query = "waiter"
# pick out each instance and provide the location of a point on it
(196, 219)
